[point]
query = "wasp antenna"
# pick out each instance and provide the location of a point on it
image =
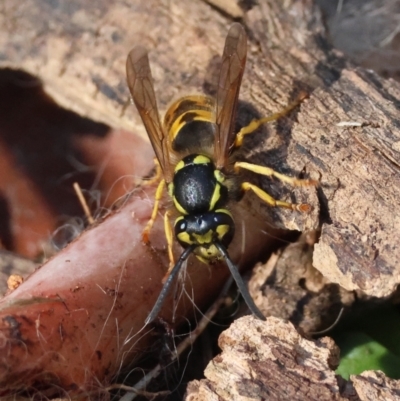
(240, 283)
(167, 285)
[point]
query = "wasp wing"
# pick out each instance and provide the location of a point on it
(233, 63)
(140, 83)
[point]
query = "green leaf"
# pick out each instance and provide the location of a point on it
(359, 352)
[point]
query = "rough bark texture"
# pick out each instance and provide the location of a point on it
(371, 386)
(272, 361)
(290, 288)
(80, 53)
(78, 49)
(359, 166)
(254, 365)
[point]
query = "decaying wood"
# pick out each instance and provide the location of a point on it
(290, 288)
(358, 247)
(272, 361)
(254, 365)
(78, 50)
(360, 175)
(81, 61)
(372, 386)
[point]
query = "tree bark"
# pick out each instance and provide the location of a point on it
(345, 134)
(253, 364)
(80, 53)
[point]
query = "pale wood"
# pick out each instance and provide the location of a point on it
(272, 361)
(254, 365)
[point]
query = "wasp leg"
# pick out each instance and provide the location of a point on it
(254, 124)
(157, 198)
(300, 207)
(263, 170)
(169, 235)
(157, 176)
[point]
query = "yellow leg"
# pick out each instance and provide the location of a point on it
(169, 235)
(272, 173)
(157, 198)
(157, 177)
(300, 207)
(248, 129)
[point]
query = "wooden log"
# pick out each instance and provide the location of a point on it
(272, 361)
(346, 133)
(254, 365)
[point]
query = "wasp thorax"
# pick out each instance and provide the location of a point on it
(205, 230)
(197, 186)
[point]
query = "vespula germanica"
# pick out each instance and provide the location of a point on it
(193, 147)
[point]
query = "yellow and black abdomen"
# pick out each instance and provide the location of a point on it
(190, 124)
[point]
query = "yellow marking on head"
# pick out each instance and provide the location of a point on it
(206, 254)
(215, 196)
(185, 237)
(222, 230)
(179, 207)
(204, 238)
(179, 166)
(178, 220)
(201, 159)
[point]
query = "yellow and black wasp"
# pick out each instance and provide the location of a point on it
(193, 148)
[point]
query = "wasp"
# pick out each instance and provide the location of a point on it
(193, 146)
